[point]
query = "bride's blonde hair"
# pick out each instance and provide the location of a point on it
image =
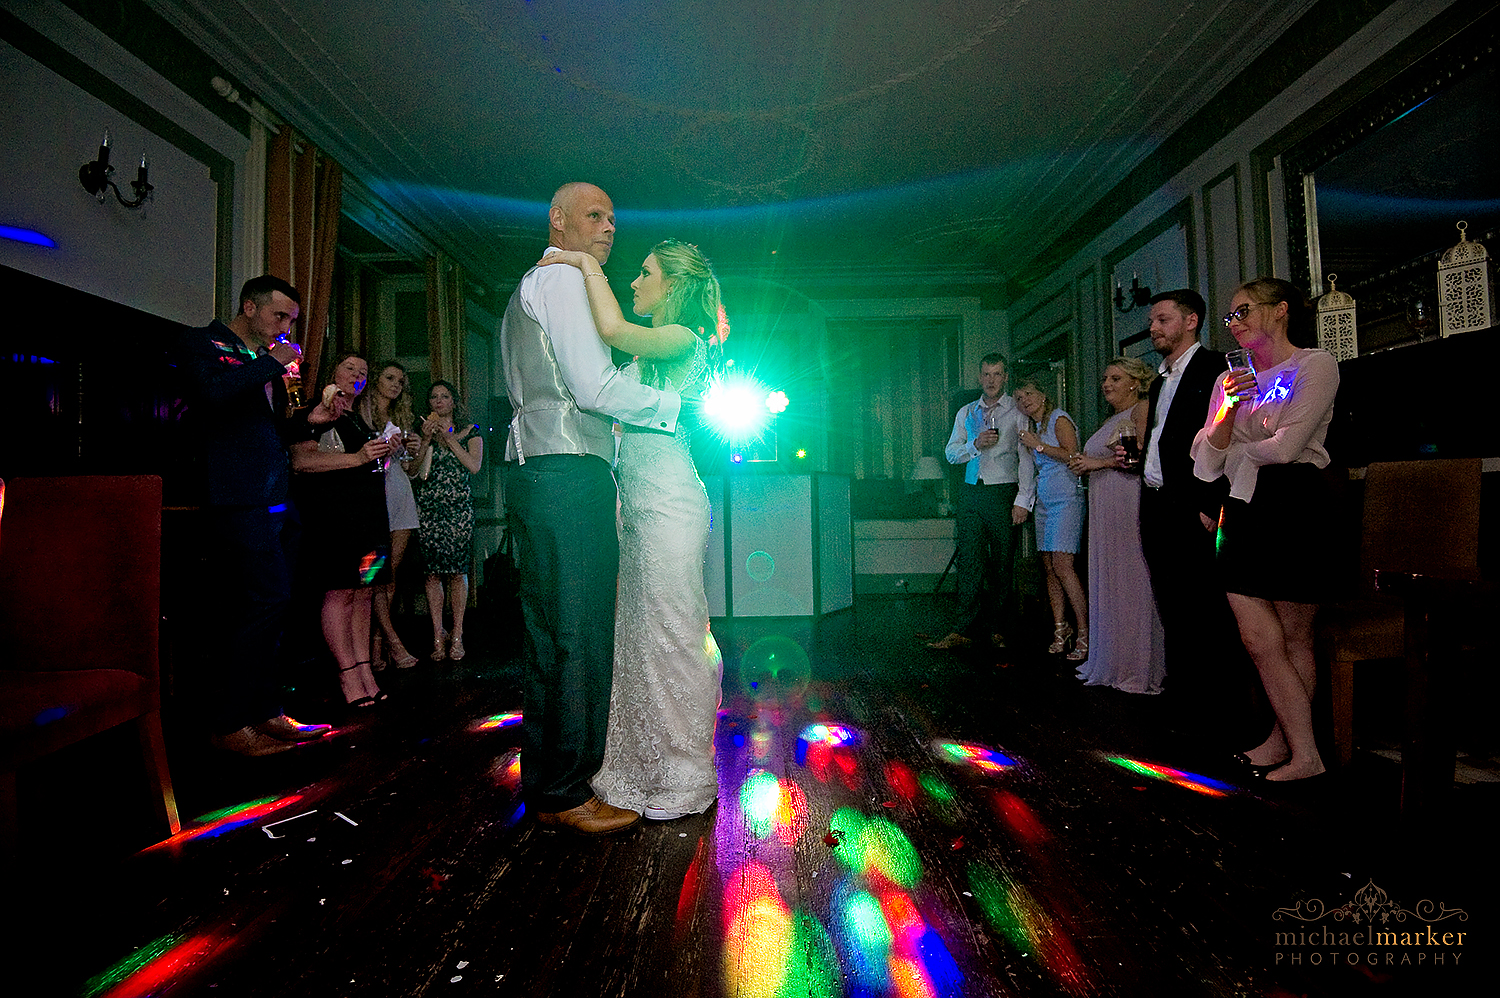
(694, 299)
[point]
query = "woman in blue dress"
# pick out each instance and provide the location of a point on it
(1053, 439)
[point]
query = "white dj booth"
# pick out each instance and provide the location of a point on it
(780, 545)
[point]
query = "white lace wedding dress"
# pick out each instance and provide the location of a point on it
(660, 746)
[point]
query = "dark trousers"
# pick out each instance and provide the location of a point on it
(1210, 684)
(250, 551)
(562, 512)
(986, 541)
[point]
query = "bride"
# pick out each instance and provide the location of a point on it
(658, 756)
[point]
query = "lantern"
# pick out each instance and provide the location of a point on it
(1336, 330)
(1466, 287)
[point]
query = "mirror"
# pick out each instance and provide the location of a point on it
(1384, 184)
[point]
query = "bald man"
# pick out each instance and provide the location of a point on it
(560, 493)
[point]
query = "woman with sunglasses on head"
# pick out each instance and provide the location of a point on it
(346, 538)
(1265, 432)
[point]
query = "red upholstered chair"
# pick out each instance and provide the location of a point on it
(80, 603)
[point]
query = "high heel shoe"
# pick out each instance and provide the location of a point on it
(1080, 650)
(439, 651)
(456, 649)
(1060, 635)
(405, 660)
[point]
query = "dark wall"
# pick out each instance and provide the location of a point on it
(86, 388)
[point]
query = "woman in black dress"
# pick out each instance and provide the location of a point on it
(340, 490)
(452, 450)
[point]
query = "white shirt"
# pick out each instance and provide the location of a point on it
(1007, 461)
(1171, 378)
(1285, 424)
(555, 297)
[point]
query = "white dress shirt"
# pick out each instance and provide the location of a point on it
(555, 297)
(1171, 377)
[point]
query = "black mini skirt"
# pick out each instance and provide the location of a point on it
(1280, 545)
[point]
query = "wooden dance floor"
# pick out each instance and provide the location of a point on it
(891, 821)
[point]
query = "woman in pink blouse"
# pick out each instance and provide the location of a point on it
(1265, 432)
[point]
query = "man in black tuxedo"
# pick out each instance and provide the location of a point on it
(1208, 671)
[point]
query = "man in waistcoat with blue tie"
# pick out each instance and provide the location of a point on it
(560, 493)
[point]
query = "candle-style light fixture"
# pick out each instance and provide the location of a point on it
(95, 178)
(1139, 297)
(1338, 333)
(1466, 287)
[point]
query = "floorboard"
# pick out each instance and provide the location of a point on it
(954, 827)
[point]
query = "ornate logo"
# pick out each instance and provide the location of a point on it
(1369, 905)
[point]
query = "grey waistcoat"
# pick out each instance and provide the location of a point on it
(547, 420)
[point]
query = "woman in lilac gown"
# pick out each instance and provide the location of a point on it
(1126, 650)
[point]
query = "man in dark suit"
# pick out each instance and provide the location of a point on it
(237, 398)
(1207, 669)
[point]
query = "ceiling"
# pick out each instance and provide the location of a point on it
(928, 136)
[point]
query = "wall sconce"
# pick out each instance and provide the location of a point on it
(1139, 297)
(95, 178)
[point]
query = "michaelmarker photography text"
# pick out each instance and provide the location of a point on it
(1370, 947)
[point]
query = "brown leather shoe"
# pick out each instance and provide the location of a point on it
(289, 729)
(248, 741)
(592, 817)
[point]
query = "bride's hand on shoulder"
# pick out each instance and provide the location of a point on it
(574, 258)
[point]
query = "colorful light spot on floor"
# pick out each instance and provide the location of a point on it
(902, 781)
(875, 846)
(149, 968)
(509, 720)
(1189, 781)
(773, 807)
(216, 823)
(979, 757)
(1019, 818)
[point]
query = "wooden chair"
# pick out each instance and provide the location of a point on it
(1421, 517)
(80, 599)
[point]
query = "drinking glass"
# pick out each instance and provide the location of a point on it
(1240, 360)
(1131, 444)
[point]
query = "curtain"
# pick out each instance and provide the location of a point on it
(446, 333)
(888, 401)
(303, 200)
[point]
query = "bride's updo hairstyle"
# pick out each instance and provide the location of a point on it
(694, 298)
